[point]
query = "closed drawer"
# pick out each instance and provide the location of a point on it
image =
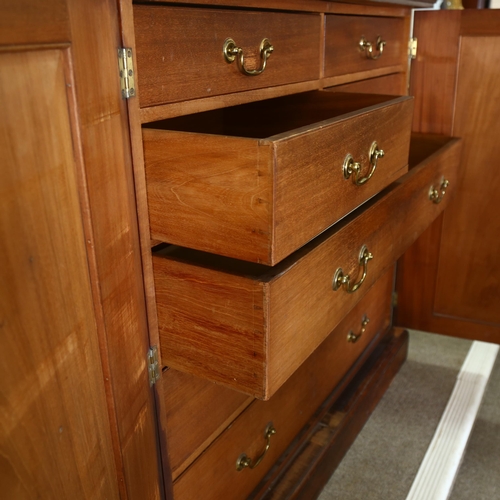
(258, 181)
(215, 474)
(344, 54)
(180, 51)
(250, 326)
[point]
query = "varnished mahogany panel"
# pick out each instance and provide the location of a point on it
(110, 219)
(258, 181)
(434, 71)
(180, 51)
(448, 281)
(55, 439)
(249, 326)
(343, 54)
(215, 474)
(34, 22)
(468, 279)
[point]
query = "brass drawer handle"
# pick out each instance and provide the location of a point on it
(340, 279)
(437, 196)
(244, 461)
(367, 47)
(352, 337)
(353, 168)
(231, 52)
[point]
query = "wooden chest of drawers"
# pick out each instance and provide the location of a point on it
(282, 219)
(221, 225)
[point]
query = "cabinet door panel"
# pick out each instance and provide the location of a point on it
(449, 280)
(468, 279)
(54, 431)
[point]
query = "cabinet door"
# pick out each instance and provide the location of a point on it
(76, 408)
(449, 281)
(54, 433)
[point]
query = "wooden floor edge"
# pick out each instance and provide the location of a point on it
(307, 465)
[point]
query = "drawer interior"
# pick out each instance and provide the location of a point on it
(424, 146)
(272, 117)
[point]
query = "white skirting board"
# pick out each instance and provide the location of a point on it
(437, 472)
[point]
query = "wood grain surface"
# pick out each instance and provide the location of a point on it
(453, 265)
(248, 326)
(33, 22)
(342, 36)
(262, 195)
(180, 51)
(110, 221)
(196, 412)
(312, 458)
(215, 474)
(434, 71)
(55, 439)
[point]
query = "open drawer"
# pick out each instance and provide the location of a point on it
(257, 181)
(250, 326)
(218, 472)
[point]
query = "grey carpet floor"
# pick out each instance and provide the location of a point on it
(384, 460)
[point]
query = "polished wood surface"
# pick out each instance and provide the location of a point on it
(55, 439)
(179, 51)
(434, 71)
(113, 241)
(236, 323)
(454, 266)
(33, 22)
(215, 473)
(320, 447)
(196, 412)
(342, 51)
(239, 182)
(468, 279)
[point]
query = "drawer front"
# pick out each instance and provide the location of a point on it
(180, 51)
(250, 327)
(344, 54)
(262, 199)
(215, 474)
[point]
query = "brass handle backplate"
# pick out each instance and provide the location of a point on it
(437, 196)
(367, 47)
(353, 168)
(232, 52)
(352, 337)
(244, 461)
(344, 280)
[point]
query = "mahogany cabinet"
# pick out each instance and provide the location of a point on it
(198, 280)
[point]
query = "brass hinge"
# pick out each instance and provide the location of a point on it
(153, 365)
(394, 299)
(127, 77)
(412, 48)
